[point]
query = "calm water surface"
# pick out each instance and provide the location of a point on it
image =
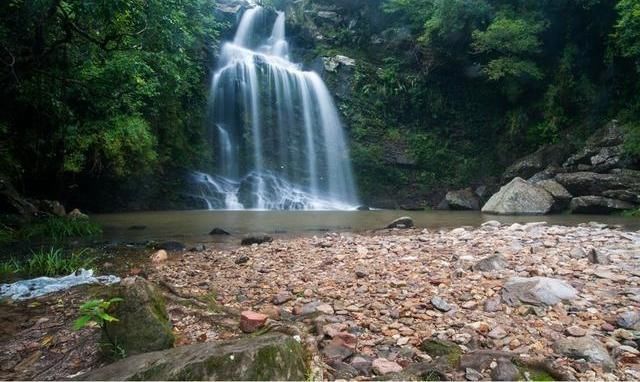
(194, 226)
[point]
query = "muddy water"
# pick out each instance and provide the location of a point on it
(194, 226)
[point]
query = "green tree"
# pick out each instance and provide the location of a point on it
(509, 43)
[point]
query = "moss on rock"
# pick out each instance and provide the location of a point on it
(445, 349)
(273, 356)
(143, 323)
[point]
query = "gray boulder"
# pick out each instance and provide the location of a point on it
(598, 205)
(463, 200)
(536, 291)
(273, 356)
(491, 263)
(587, 348)
(520, 197)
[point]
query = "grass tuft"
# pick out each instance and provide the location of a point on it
(46, 262)
(53, 228)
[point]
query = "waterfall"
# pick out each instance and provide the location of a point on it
(277, 135)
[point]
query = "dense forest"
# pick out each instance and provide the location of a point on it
(104, 102)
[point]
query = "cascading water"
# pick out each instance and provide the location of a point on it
(275, 128)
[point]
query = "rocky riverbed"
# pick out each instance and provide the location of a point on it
(565, 296)
(505, 302)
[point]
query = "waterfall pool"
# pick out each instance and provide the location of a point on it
(194, 226)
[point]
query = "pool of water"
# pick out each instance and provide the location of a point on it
(194, 226)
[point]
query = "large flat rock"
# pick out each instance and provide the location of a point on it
(598, 205)
(591, 183)
(273, 356)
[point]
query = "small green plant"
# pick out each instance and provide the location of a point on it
(96, 312)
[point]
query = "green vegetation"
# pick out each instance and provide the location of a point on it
(95, 93)
(96, 312)
(100, 98)
(53, 228)
(471, 85)
(46, 262)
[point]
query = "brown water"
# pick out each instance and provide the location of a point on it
(194, 226)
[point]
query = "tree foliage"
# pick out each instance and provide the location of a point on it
(109, 89)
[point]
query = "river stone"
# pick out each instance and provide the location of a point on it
(440, 304)
(578, 253)
(598, 205)
(505, 371)
(272, 356)
(629, 320)
(77, 214)
(143, 324)
(383, 366)
(441, 348)
(282, 297)
(463, 200)
(256, 238)
(159, 257)
(172, 246)
(491, 263)
(598, 257)
(587, 348)
(219, 232)
(520, 197)
(537, 291)
(403, 222)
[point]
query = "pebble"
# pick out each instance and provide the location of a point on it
(440, 304)
(383, 366)
(252, 321)
(159, 257)
(282, 297)
(576, 331)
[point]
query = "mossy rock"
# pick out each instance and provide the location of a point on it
(442, 349)
(540, 370)
(143, 323)
(274, 356)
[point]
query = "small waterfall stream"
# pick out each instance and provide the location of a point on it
(275, 129)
